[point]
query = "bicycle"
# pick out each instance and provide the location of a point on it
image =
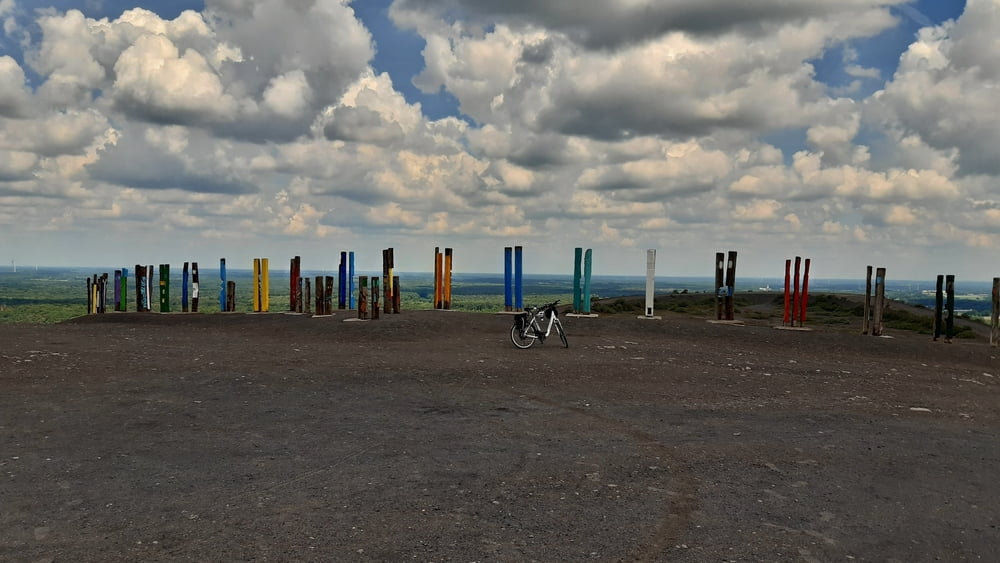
(527, 330)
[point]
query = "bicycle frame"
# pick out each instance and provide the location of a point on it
(536, 329)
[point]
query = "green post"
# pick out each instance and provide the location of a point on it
(587, 267)
(164, 288)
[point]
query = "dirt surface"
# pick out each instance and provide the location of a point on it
(426, 436)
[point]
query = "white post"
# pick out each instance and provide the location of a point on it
(650, 277)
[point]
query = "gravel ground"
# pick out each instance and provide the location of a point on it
(427, 436)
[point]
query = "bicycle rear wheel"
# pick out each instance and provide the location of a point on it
(562, 334)
(521, 337)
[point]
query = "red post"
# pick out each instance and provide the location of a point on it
(804, 299)
(795, 291)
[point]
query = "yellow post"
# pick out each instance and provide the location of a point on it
(256, 285)
(265, 286)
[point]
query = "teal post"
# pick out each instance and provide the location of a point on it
(587, 268)
(222, 285)
(577, 297)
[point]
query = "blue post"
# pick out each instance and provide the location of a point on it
(508, 298)
(222, 286)
(342, 287)
(587, 264)
(518, 275)
(350, 279)
(577, 259)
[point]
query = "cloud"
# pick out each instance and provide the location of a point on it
(609, 24)
(944, 91)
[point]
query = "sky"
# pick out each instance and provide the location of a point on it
(851, 132)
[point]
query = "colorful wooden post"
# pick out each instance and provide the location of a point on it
(804, 296)
(118, 290)
(350, 279)
(294, 272)
(265, 287)
(577, 273)
(730, 285)
(223, 302)
(375, 291)
(387, 273)
(149, 287)
(307, 297)
(195, 287)
(328, 296)
(164, 288)
(518, 278)
(795, 291)
(995, 314)
(438, 278)
(261, 286)
(786, 316)
(720, 268)
(230, 296)
(866, 321)
(878, 306)
(90, 296)
(342, 279)
(124, 290)
(446, 274)
(939, 306)
(588, 268)
(949, 288)
(650, 281)
(104, 292)
(299, 296)
(363, 297)
(508, 291)
(397, 296)
(184, 288)
(320, 296)
(140, 289)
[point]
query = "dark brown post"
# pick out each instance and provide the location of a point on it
(396, 298)
(446, 274)
(230, 296)
(320, 296)
(720, 268)
(90, 296)
(375, 290)
(294, 285)
(995, 315)
(195, 287)
(949, 305)
(299, 295)
(328, 295)
(866, 321)
(730, 285)
(362, 297)
(307, 297)
(439, 279)
(879, 302)
(939, 307)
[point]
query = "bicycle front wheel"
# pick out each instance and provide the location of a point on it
(521, 337)
(562, 334)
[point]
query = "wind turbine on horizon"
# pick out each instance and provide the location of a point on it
(14, 266)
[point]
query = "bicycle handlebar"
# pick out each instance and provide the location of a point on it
(540, 307)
